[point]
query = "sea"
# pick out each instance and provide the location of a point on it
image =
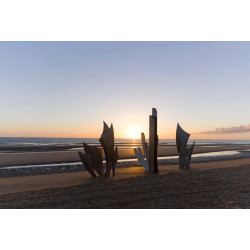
(50, 141)
(26, 144)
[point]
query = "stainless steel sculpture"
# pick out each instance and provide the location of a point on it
(96, 157)
(153, 143)
(86, 160)
(111, 152)
(185, 154)
(148, 158)
(92, 159)
(142, 155)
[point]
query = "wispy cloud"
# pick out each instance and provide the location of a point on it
(232, 130)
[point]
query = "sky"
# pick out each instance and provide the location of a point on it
(67, 89)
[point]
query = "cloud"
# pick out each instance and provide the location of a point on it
(232, 130)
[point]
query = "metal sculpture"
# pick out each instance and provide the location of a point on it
(185, 155)
(92, 158)
(87, 162)
(148, 158)
(153, 142)
(111, 152)
(142, 156)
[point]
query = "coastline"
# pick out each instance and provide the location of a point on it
(218, 178)
(55, 162)
(62, 181)
(33, 158)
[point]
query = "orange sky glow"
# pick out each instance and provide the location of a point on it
(67, 89)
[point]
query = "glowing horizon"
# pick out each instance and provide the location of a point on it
(129, 134)
(66, 89)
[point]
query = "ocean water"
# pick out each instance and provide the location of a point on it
(25, 144)
(20, 145)
(26, 141)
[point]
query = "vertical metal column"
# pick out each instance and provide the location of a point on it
(153, 142)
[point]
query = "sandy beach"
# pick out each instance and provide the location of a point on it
(223, 184)
(56, 178)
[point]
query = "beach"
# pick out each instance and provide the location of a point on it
(121, 124)
(222, 184)
(52, 176)
(55, 155)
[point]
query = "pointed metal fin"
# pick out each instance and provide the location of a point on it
(181, 138)
(190, 152)
(105, 127)
(139, 156)
(86, 160)
(145, 147)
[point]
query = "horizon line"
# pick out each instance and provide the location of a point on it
(115, 138)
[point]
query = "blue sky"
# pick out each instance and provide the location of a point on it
(66, 89)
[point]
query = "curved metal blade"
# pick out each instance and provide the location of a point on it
(190, 152)
(86, 160)
(181, 138)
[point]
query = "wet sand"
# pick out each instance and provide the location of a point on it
(223, 184)
(31, 158)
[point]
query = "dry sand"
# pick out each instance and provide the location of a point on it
(223, 184)
(37, 182)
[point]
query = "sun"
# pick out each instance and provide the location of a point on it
(133, 133)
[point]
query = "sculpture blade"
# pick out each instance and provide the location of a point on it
(115, 159)
(153, 142)
(139, 156)
(105, 127)
(145, 147)
(116, 156)
(107, 141)
(181, 138)
(96, 157)
(86, 160)
(111, 131)
(87, 148)
(190, 152)
(181, 144)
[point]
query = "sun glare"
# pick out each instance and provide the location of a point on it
(133, 133)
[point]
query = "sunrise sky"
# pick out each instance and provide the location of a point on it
(66, 89)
